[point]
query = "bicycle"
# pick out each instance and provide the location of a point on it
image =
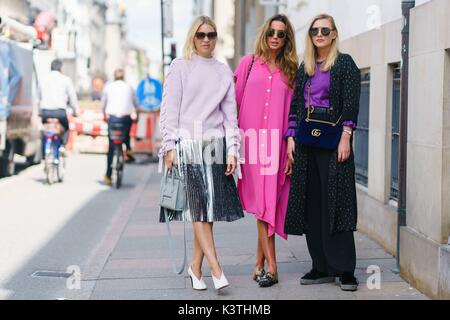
(117, 137)
(55, 158)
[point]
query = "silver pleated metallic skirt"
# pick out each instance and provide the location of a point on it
(211, 195)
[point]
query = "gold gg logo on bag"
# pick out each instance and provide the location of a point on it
(316, 133)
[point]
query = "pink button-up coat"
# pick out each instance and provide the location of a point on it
(264, 101)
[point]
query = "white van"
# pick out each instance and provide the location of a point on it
(19, 118)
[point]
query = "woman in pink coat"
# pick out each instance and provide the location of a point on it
(264, 87)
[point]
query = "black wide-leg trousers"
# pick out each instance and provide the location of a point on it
(331, 253)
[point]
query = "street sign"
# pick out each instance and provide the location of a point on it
(149, 94)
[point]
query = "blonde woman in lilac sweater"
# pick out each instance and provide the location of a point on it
(201, 137)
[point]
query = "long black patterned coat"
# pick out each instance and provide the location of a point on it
(345, 93)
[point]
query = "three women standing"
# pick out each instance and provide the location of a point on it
(291, 187)
(264, 88)
(322, 201)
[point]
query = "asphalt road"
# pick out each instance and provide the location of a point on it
(56, 228)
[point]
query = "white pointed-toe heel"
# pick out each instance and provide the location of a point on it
(220, 283)
(197, 284)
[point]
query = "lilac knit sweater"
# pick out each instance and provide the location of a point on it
(199, 102)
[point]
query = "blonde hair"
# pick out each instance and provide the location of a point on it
(189, 45)
(311, 51)
(287, 59)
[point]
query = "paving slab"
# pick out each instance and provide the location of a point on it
(140, 266)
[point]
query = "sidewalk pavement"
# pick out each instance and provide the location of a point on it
(133, 262)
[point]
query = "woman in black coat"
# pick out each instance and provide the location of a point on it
(322, 201)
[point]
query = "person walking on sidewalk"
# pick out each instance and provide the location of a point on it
(264, 88)
(322, 201)
(199, 119)
(118, 101)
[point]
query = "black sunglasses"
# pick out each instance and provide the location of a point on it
(203, 35)
(325, 31)
(280, 34)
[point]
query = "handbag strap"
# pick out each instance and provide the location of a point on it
(249, 71)
(246, 80)
(169, 176)
(177, 271)
(309, 99)
(308, 118)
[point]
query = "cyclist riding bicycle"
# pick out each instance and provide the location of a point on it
(118, 102)
(57, 95)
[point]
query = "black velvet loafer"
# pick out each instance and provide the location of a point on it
(258, 274)
(268, 280)
(316, 277)
(348, 282)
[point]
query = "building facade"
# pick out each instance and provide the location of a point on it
(115, 38)
(16, 9)
(223, 14)
(90, 37)
(78, 39)
(373, 38)
(203, 7)
(250, 15)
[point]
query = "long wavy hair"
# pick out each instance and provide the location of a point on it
(287, 59)
(311, 50)
(189, 45)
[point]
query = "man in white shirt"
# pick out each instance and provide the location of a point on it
(57, 95)
(118, 102)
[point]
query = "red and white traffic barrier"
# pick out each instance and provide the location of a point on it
(90, 123)
(145, 132)
(89, 133)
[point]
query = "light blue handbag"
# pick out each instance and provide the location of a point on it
(172, 192)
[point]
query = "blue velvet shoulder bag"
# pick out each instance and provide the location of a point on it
(318, 133)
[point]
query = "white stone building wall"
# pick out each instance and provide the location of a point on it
(372, 35)
(224, 18)
(353, 17)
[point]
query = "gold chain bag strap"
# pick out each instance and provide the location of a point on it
(318, 133)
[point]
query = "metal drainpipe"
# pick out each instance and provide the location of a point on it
(407, 5)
